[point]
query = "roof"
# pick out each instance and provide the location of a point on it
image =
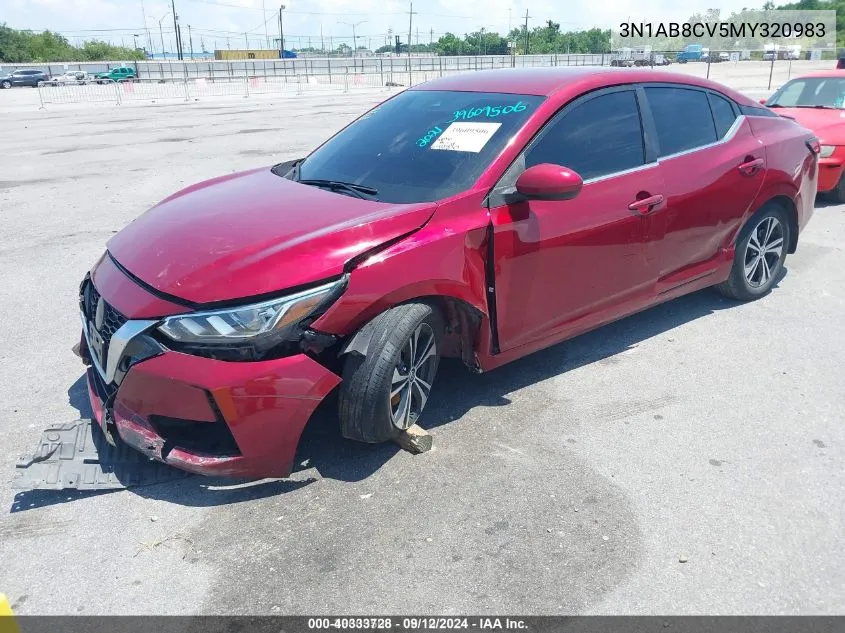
(548, 81)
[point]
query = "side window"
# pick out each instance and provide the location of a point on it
(682, 118)
(724, 114)
(600, 136)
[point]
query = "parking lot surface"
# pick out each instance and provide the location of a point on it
(685, 460)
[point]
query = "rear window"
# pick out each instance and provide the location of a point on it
(682, 117)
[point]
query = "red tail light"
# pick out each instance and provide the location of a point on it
(814, 146)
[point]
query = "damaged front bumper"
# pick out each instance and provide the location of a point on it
(211, 417)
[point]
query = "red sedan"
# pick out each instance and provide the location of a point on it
(482, 216)
(817, 101)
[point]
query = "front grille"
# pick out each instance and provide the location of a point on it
(112, 319)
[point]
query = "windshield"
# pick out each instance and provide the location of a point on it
(810, 92)
(421, 145)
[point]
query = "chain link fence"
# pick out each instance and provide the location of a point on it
(752, 75)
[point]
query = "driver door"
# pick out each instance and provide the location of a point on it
(566, 266)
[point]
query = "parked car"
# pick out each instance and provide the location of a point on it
(817, 101)
(691, 53)
(71, 77)
(120, 73)
(482, 217)
(25, 77)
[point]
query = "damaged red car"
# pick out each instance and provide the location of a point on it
(482, 217)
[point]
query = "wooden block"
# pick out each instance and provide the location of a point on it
(415, 440)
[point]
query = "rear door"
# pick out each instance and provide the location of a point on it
(713, 167)
(561, 264)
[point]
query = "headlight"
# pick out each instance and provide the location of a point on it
(827, 151)
(262, 324)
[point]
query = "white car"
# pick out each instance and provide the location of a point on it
(78, 77)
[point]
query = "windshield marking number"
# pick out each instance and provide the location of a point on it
(471, 113)
(489, 111)
(430, 136)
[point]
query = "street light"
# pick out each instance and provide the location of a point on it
(354, 38)
(161, 34)
(281, 32)
(135, 40)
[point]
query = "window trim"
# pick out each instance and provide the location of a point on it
(499, 192)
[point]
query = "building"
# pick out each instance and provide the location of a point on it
(258, 53)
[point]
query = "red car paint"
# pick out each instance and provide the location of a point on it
(532, 273)
(829, 127)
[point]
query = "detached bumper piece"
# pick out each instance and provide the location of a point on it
(77, 456)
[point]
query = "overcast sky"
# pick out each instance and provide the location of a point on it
(216, 20)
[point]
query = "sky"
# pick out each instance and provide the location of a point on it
(236, 23)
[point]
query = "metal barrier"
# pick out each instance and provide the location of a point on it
(103, 91)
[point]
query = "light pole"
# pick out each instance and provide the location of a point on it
(281, 32)
(161, 34)
(354, 37)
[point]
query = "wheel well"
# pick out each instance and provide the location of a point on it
(786, 203)
(462, 326)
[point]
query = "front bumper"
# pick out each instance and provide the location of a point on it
(212, 417)
(830, 171)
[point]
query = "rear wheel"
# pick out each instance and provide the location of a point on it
(759, 256)
(385, 391)
(6, 85)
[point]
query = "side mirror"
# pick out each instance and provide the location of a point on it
(548, 182)
(763, 101)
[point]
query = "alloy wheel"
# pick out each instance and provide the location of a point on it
(764, 251)
(413, 375)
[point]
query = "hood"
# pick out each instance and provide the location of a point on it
(254, 233)
(828, 125)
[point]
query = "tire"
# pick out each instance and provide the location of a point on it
(837, 194)
(5, 85)
(751, 276)
(381, 394)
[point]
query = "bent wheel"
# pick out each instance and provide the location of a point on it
(759, 256)
(385, 391)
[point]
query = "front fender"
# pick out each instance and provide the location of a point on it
(446, 258)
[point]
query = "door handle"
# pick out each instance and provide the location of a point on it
(751, 167)
(646, 205)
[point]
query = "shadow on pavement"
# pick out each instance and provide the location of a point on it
(458, 391)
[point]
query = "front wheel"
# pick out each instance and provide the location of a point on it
(759, 256)
(837, 194)
(385, 391)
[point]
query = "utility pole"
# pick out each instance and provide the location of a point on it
(322, 42)
(431, 38)
(526, 31)
(161, 34)
(190, 41)
(228, 44)
(246, 39)
(354, 37)
(281, 32)
(483, 42)
(176, 29)
(266, 28)
(410, 30)
(146, 28)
